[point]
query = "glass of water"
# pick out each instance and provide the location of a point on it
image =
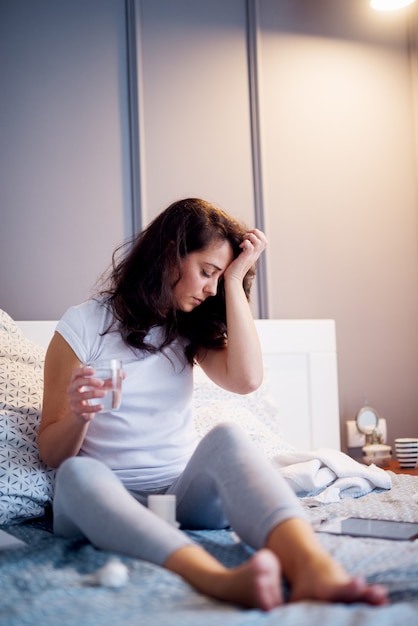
(111, 373)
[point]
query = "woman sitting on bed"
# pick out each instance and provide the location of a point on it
(177, 297)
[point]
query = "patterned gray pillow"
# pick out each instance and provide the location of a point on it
(26, 483)
(256, 413)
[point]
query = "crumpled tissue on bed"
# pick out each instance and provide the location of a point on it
(325, 475)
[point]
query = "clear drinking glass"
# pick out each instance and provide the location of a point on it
(110, 372)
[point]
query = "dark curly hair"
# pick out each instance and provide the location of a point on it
(139, 287)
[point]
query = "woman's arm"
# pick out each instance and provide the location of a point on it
(238, 367)
(65, 412)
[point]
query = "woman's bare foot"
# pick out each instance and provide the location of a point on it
(324, 579)
(255, 584)
(312, 573)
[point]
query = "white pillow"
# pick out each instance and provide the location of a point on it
(26, 483)
(256, 413)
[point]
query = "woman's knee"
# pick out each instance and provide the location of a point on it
(229, 433)
(228, 438)
(75, 465)
(77, 470)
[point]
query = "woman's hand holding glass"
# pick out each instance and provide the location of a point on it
(96, 388)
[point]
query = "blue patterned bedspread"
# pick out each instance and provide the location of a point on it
(47, 582)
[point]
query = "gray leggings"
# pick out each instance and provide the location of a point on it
(226, 482)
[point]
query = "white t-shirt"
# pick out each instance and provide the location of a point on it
(150, 438)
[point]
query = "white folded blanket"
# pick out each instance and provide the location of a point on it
(326, 475)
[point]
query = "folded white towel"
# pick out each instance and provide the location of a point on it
(326, 475)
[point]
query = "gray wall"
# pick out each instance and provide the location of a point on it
(64, 171)
(340, 183)
(337, 94)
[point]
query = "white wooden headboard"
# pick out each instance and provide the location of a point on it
(301, 365)
(39, 331)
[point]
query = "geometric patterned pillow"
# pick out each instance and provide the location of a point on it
(256, 413)
(26, 483)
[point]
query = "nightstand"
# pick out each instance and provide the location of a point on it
(394, 466)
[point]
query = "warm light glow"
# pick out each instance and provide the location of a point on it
(389, 5)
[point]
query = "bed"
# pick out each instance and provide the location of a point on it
(294, 415)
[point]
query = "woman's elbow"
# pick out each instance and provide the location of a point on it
(47, 455)
(250, 384)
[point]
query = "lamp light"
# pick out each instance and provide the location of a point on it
(389, 5)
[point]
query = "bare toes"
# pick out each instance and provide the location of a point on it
(374, 594)
(356, 590)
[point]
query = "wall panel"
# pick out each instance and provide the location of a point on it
(64, 174)
(193, 94)
(339, 176)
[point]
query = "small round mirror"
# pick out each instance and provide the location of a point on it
(367, 420)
